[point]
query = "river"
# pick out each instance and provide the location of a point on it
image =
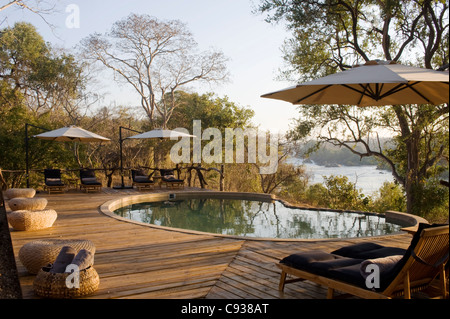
(367, 178)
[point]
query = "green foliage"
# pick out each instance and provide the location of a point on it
(389, 197)
(432, 201)
(42, 154)
(331, 36)
(317, 195)
(342, 194)
(21, 50)
(337, 192)
(47, 80)
(36, 85)
(214, 112)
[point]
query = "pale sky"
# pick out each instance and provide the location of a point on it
(252, 45)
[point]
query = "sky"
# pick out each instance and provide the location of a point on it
(252, 45)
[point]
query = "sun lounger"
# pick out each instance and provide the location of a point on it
(414, 269)
(53, 182)
(168, 178)
(88, 181)
(141, 180)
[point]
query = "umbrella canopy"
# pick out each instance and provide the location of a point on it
(159, 133)
(71, 134)
(373, 84)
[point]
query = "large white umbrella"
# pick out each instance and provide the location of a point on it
(373, 84)
(71, 134)
(157, 133)
(160, 133)
(65, 134)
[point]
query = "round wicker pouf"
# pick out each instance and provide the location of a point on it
(20, 203)
(32, 220)
(39, 253)
(20, 192)
(51, 285)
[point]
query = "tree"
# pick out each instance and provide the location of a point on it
(47, 80)
(389, 197)
(156, 58)
(44, 88)
(331, 36)
(213, 112)
(39, 7)
(342, 194)
(334, 35)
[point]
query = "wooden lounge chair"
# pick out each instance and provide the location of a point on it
(88, 181)
(423, 264)
(53, 182)
(168, 178)
(141, 180)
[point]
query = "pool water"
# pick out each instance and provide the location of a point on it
(257, 219)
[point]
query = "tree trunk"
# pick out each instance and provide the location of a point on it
(412, 176)
(411, 137)
(9, 277)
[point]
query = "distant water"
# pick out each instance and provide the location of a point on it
(367, 177)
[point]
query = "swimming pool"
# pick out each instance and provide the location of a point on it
(254, 218)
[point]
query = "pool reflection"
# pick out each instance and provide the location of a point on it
(257, 219)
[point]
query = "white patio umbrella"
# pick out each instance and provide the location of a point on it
(157, 133)
(65, 134)
(373, 84)
(71, 134)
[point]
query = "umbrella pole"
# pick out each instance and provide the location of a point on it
(26, 156)
(122, 186)
(121, 156)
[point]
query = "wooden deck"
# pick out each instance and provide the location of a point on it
(137, 262)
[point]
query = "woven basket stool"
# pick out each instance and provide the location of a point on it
(39, 253)
(32, 220)
(20, 203)
(20, 192)
(53, 285)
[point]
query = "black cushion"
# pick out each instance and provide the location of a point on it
(87, 177)
(318, 262)
(142, 179)
(168, 178)
(87, 173)
(352, 275)
(53, 182)
(166, 172)
(90, 181)
(53, 177)
(139, 176)
(368, 251)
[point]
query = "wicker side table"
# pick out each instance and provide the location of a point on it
(51, 285)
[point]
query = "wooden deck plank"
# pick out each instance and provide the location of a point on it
(135, 261)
